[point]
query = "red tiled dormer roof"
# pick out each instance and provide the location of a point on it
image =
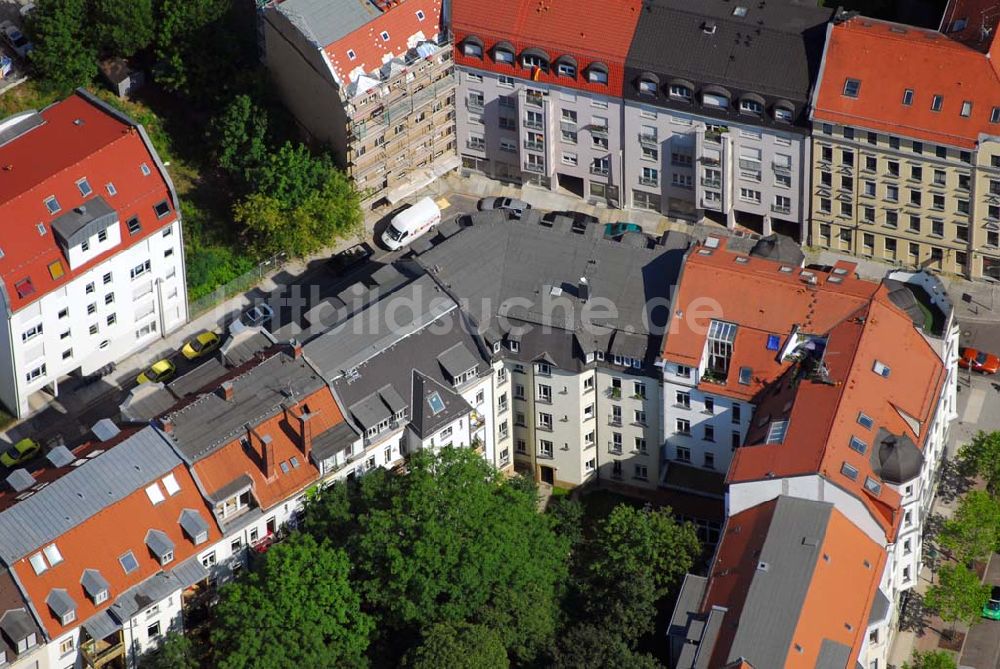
(888, 59)
(406, 23)
(100, 541)
(76, 139)
(291, 469)
(588, 30)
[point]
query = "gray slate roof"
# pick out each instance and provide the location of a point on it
(424, 421)
(776, 594)
(194, 525)
(93, 582)
(145, 402)
(895, 458)
(82, 492)
(85, 221)
(334, 440)
(833, 655)
(209, 422)
(159, 543)
(17, 624)
(60, 602)
(457, 359)
(326, 21)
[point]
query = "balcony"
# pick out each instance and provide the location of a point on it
(534, 146)
(711, 183)
(614, 421)
(541, 427)
(534, 167)
(475, 146)
(713, 137)
(99, 652)
(598, 130)
(647, 181)
(781, 168)
(648, 140)
(534, 100)
(475, 104)
(614, 393)
(710, 161)
(599, 170)
(780, 209)
(614, 449)
(533, 125)
(476, 421)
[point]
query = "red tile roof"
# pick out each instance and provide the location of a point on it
(860, 324)
(828, 606)
(588, 30)
(78, 139)
(402, 24)
(888, 59)
(234, 460)
(116, 529)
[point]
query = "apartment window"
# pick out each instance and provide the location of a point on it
(937, 228)
(638, 417)
(849, 133)
(937, 202)
(890, 247)
(894, 143)
(918, 147)
(31, 333)
(545, 421)
(937, 102)
(749, 195)
(908, 97)
(869, 188)
(545, 448)
(824, 205)
(892, 193)
(915, 197)
(826, 154)
(640, 472)
(871, 163)
(709, 431)
(684, 454)
(891, 219)
(734, 440)
(940, 178)
(683, 426)
(846, 209)
(847, 157)
(153, 631)
(504, 80)
(133, 225)
(709, 461)
(868, 214)
(941, 152)
(847, 183)
(962, 232)
(140, 269)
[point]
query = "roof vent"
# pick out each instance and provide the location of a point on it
(763, 566)
(704, 252)
(20, 480)
(810, 541)
(555, 291)
(743, 260)
(708, 27)
(78, 121)
(712, 242)
(583, 289)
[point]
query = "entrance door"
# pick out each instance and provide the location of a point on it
(548, 475)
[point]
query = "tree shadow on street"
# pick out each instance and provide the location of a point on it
(954, 482)
(914, 616)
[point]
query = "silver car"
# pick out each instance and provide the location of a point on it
(16, 39)
(515, 207)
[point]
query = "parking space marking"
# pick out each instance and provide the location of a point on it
(974, 407)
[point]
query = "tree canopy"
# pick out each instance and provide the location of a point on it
(931, 659)
(973, 531)
(459, 646)
(981, 457)
(958, 596)
(175, 651)
(593, 646)
(63, 53)
(123, 27)
(297, 609)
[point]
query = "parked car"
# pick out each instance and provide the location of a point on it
(257, 315)
(16, 39)
(979, 361)
(991, 609)
(200, 345)
(160, 371)
(20, 452)
(341, 263)
(513, 206)
(616, 230)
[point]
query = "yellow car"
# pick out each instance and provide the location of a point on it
(20, 452)
(160, 371)
(201, 345)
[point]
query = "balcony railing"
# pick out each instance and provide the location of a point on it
(533, 100)
(780, 209)
(544, 428)
(615, 421)
(478, 146)
(614, 393)
(534, 146)
(781, 168)
(711, 183)
(614, 449)
(534, 167)
(648, 140)
(475, 104)
(533, 125)
(600, 171)
(647, 181)
(713, 137)
(99, 652)
(476, 421)
(599, 130)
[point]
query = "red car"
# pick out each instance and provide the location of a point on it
(979, 361)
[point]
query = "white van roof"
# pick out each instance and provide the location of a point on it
(423, 207)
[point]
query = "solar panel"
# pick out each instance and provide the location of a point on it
(436, 403)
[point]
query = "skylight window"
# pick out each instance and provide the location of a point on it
(776, 433)
(351, 55)
(852, 87)
(858, 445)
(435, 402)
(420, 15)
(385, 36)
(52, 554)
(937, 102)
(170, 484)
(873, 486)
(52, 204)
(773, 342)
(110, 187)
(966, 109)
(84, 187)
(995, 115)
(745, 374)
(128, 562)
(154, 494)
(41, 229)
(908, 97)
(849, 471)
(38, 563)
(144, 168)
(740, 11)
(865, 421)
(881, 369)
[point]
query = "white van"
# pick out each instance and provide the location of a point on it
(411, 223)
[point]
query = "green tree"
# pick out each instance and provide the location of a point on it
(981, 457)
(123, 27)
(958, 597)
(634, 541)
(175, 652)
(452, 542)
(567, 516)
(931, 659)
(621, 603)
(291, 173)
(459, 646)
(593, 646)
(973, 532)
(63, 54)
(183, 41)
(297, 610)
(240, 137)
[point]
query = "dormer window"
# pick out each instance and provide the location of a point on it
(680, 92)
(647, 87)
(420, 15)
(161, 209)
(535, 58)
(564, 69)
(504, 56)
(384, 35)
(751, 106)
(908, 97)
(966, 109)
(27, 643)
(995, 115)
(715, 100)
(472, 47)
(52, 204)
(133, 225)
(597, 73)
(852, 87)
(783, 114)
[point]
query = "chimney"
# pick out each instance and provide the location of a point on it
(226, 390)
(296, 349)
(307, 435)
(167, 425)
(583, 289)
(268, 448)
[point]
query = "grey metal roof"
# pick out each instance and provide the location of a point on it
(157, 587)
(688, 602)
(334, 440)
(159, 543)
(377, 327)
(29, 121)
(629, 345)
(833, 655)
(189, 572)
(708, 638)
(194, 525)
(386, 275)
(209, 422)
(241, 346)
(60, 456)
(323, 22)
(20, 480)
(198, 378)
(82, 492)
(93, 582)
(780, 249)
(370, 411)
(392, 399)
(60, 602)
(241, 482)
(101, 625)
(145, 402)
(895, 458)
(17, 624)
(80, 224)
(457, 359)
(777, 591)
(880, 607)
(774, 50)
(424, 421)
